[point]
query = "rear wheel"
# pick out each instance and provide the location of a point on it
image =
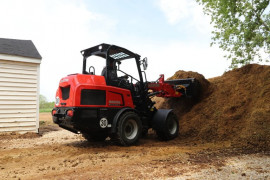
(171, 128)
(129, 129)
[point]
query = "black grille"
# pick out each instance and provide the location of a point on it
(88, 114)
(93, 97)
(65, 92)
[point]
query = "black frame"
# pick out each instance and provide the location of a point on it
(104, 50)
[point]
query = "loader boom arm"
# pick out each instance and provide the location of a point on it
(173, 88)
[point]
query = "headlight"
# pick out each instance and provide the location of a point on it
(57, 101)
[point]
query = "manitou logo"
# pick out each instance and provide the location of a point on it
(114, 103)
(63, 80)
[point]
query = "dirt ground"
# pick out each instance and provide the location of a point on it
(59, 154)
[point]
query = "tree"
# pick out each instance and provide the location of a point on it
(241, 27)
(44, 104)
(42, 101)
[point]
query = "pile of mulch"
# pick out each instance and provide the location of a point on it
(234, 106)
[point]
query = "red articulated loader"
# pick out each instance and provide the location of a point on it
(116, 103)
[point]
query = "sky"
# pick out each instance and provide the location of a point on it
(173, 34)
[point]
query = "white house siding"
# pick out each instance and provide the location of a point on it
(19, 96)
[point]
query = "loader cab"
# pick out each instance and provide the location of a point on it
(122, 68)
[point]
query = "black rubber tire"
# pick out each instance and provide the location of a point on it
(170, 130)
(95, 138)
(129, 129)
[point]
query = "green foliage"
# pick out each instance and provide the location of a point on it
(241, 28)
(44, 105)
(46, 110)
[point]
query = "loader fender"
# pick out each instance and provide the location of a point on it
(117, 116)
(165, 124)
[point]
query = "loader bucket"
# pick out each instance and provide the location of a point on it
(189, 87)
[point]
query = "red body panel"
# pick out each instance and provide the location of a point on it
(115, 97)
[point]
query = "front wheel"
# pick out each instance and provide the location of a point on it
(129, 129)
(171, 128)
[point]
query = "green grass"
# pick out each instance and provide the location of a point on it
(45, 110)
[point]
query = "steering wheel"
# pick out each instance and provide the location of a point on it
(123, 80)
(124, 77)
(93, 73)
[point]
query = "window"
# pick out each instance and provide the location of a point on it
(129, 67)
(97, 62)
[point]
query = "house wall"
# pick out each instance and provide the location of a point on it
(19, 94)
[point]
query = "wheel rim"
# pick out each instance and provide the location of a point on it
(130, 129)
(172, 126)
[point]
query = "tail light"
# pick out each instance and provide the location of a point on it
(54, 112)
(70, 113)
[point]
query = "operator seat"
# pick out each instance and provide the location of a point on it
(110, 77)
(104, 72)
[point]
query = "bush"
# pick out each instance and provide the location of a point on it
(44, 105)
